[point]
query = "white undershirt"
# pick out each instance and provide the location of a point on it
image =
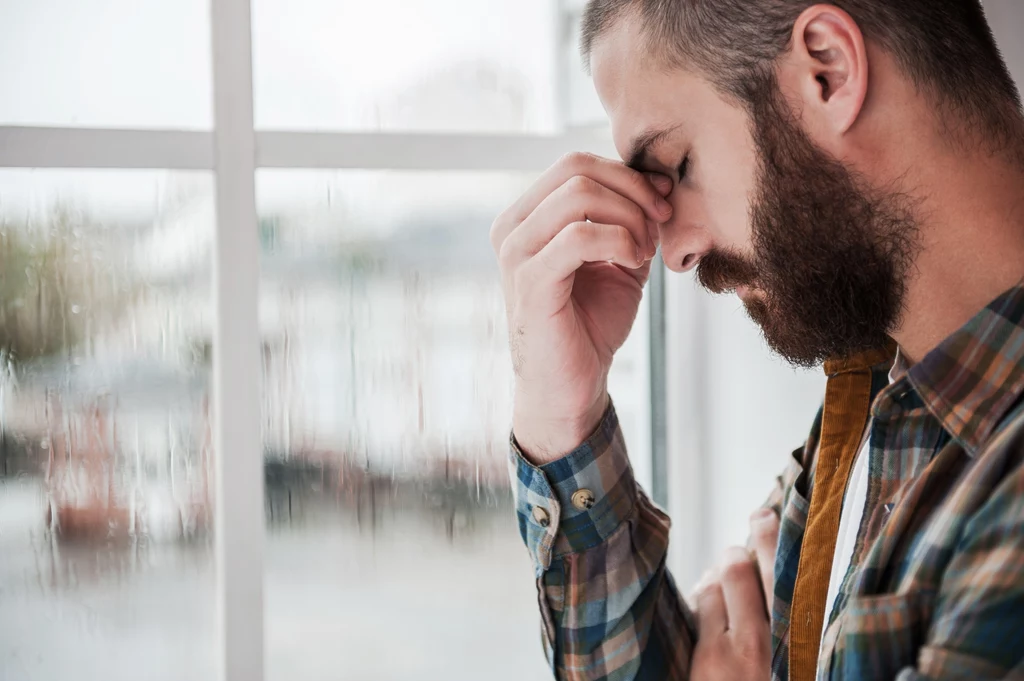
(850, 518)
(849, 524)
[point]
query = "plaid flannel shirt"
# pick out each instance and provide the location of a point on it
(935, 589)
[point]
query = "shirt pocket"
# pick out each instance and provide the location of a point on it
(880, 635)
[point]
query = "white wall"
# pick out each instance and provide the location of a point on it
(1007, 20)
(761, 409)
(738, 411)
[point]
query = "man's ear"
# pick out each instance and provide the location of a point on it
(826, 70)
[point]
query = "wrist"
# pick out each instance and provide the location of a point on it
(543, 438)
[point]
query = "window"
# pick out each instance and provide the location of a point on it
(106, 63)
(386, 404)
(106, 458)
(387, 396)
(289, 335)
(346, 65)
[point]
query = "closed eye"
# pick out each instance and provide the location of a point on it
(684, 168)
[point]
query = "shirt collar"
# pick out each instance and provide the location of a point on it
(868, 359)
(973, 377)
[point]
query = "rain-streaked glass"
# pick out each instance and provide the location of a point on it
(392, 549)
(106, 461)
(399, 65)
(105, 63)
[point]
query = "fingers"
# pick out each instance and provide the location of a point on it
(742, 591)
(612, 174)
(579, 243)
(734, 637)
(662, 183)
(712, 615)
(764, 539)
(615, 176)
(579, 200)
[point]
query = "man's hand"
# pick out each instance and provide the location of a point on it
(574, 253)
(733, 609)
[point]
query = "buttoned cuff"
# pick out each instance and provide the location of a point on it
(574, 503)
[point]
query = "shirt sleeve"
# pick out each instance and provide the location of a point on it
(609, 607)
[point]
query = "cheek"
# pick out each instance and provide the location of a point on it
(724, 197)
(726, 178)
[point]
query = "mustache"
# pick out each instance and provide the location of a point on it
(721, 271)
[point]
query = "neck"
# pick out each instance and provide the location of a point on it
(972, 243)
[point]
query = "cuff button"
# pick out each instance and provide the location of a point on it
(583, 499)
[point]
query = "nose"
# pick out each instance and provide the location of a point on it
(684, 239)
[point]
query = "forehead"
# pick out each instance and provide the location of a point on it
(639, 93)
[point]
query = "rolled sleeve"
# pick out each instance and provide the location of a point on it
(597, 475)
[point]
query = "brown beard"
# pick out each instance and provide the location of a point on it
(831, 255)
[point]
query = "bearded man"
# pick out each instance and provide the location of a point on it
(854, 172)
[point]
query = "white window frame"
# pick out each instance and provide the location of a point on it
(233, 150)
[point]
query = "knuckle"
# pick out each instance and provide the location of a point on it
(764, 535)
(624, 236)
(577, 232)
(638, 216)
(497, 232)
(737, 554)
(576, 160)
(581, 185)
(506, 258)
(638, 180)
(713, 588)
(764, 525)
(734, 572)
(760, 527)
(737, 566)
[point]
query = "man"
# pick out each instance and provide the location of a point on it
(855, 173)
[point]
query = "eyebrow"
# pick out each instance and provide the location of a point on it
(642, 144)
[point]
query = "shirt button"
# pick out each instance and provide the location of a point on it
(541, 516)
(583, 499)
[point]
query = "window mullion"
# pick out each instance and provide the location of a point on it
(31, 147)
(237, 364)
(422, 151)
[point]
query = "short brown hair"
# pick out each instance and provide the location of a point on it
(945, 47)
